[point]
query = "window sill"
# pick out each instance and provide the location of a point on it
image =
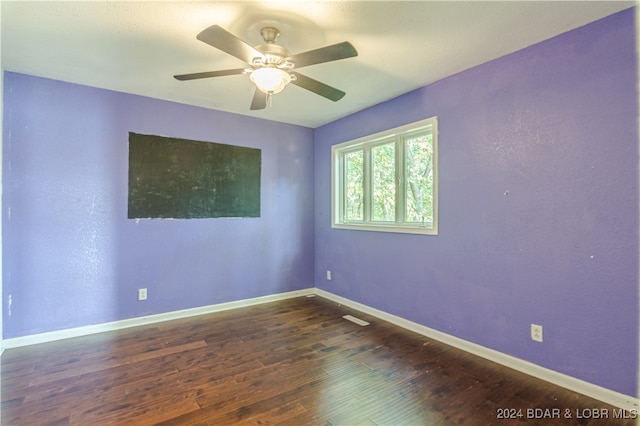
(387, 228)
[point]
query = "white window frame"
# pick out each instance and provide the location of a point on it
(397, 136)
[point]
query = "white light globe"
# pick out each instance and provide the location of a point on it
(270, 80)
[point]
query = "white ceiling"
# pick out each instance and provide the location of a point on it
(137, 46)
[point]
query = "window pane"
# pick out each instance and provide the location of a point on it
(383, 183)
(354, 186)
(419, 170)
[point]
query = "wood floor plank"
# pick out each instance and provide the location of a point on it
(292, 362)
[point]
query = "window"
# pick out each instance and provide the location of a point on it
(388, 181)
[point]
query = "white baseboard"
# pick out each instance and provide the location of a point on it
(150, 319)
(594, 391)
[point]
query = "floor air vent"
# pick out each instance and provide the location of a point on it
(355, 320)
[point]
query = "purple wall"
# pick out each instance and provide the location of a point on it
(538, 158)
(71, 256)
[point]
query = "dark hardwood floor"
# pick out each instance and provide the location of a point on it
(293, 362)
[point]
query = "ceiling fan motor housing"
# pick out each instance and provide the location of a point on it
(274, 54)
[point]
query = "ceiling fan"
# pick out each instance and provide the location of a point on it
(270, 65)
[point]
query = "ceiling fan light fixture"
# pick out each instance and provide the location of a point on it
(270, 80)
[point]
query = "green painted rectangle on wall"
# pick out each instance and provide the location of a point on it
(175, 178)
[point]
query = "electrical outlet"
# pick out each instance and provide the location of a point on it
(328, 275)
(142, 294)
(536, 332)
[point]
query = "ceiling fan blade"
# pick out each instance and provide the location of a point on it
(317, 87)
(324, 54)
(208, 74)
(259, 100)
(222, 39)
